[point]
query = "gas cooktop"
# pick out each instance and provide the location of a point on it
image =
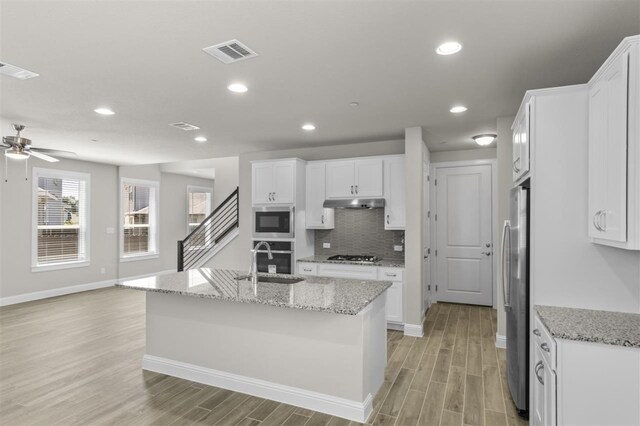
(354, 258)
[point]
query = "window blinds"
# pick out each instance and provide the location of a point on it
(61, 221)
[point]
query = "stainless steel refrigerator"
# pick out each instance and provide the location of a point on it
(515, 291)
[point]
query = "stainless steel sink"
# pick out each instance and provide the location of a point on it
(277, 280)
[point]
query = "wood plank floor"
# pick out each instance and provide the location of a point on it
(76, 360)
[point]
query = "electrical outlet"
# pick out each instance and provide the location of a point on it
(326, 245)
(103, 271)
(397, 248)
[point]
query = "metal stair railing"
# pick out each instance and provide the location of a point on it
(207, 236)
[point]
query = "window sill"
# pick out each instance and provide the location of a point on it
(136, 257)
(56, 266)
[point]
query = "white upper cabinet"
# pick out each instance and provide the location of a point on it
(614, 149)
(394, 193)
(317, 217)
(521, 143)
(273, 182)
(354, 178)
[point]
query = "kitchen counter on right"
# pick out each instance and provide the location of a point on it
(387, 263)
(611, 328)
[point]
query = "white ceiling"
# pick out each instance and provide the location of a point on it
(144, 60)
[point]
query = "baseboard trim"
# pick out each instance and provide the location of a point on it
(152, 274)
(61, 291)
(335, 406)
(413, 330)
(54, 292)
(501, 341)
(399, 326)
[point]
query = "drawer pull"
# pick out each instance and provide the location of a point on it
(391, 275)
(307, 270)
(536, 332)
(545, 347)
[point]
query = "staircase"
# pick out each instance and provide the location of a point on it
(211, 235)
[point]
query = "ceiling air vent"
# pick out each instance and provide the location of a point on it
(16, 72)
(230, 51)
(184, 126)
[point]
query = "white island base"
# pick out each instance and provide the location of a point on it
(327, 362)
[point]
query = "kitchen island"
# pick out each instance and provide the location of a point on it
(313, 342)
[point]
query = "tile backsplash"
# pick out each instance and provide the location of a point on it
(359, 231)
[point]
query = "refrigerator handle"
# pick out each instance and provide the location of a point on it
(505, 234)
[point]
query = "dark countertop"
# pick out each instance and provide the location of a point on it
(335, 295)
(611, 328)
(387, 263)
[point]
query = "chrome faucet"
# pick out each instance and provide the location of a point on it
(254, 261)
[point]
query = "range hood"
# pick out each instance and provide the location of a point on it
(354, 203)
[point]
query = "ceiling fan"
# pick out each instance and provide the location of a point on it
(19, 148)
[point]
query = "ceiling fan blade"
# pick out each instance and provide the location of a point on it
(44, 157)
(53, 151)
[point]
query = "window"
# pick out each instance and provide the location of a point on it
(139, 236)
(60, 217)
(199, 201)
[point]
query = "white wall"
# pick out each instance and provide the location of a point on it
(505, 182)
(415, 152)
(464, 155)
(16, 229)
(227, 176)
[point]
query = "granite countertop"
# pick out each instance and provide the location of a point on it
(335, 295)
(611, 328)
(388, 263)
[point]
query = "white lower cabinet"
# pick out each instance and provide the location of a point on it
(395, 293)
(584, 383)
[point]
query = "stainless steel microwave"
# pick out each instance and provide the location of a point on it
(274, 222)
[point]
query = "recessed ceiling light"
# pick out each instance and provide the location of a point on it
(458, 109)
(200, 139)
(449, 48)
(104, 111)
(354, 104)
(308, 127)
(484, 139)
(237, 88)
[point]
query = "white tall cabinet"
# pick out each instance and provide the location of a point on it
(394, 193)
(317, 216)
(614, 149)
(522, 142)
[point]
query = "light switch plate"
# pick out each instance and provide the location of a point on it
(326, 245)
(111, 230)
(272, 269)
(397, 248)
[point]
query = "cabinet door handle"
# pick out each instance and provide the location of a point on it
(539, 366)
(515, 163)
(387, 219)
(322, 219)
(356, 189)
(545, 347)
(351, 189)
(274, 196)
(536, 332)
(602, 221)
(486, 253)
(596, 216)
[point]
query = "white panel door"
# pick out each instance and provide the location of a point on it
(340, 179)
(394, 193)
(464, 235)
(284, 176)
(262, 185)
(368, 174)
